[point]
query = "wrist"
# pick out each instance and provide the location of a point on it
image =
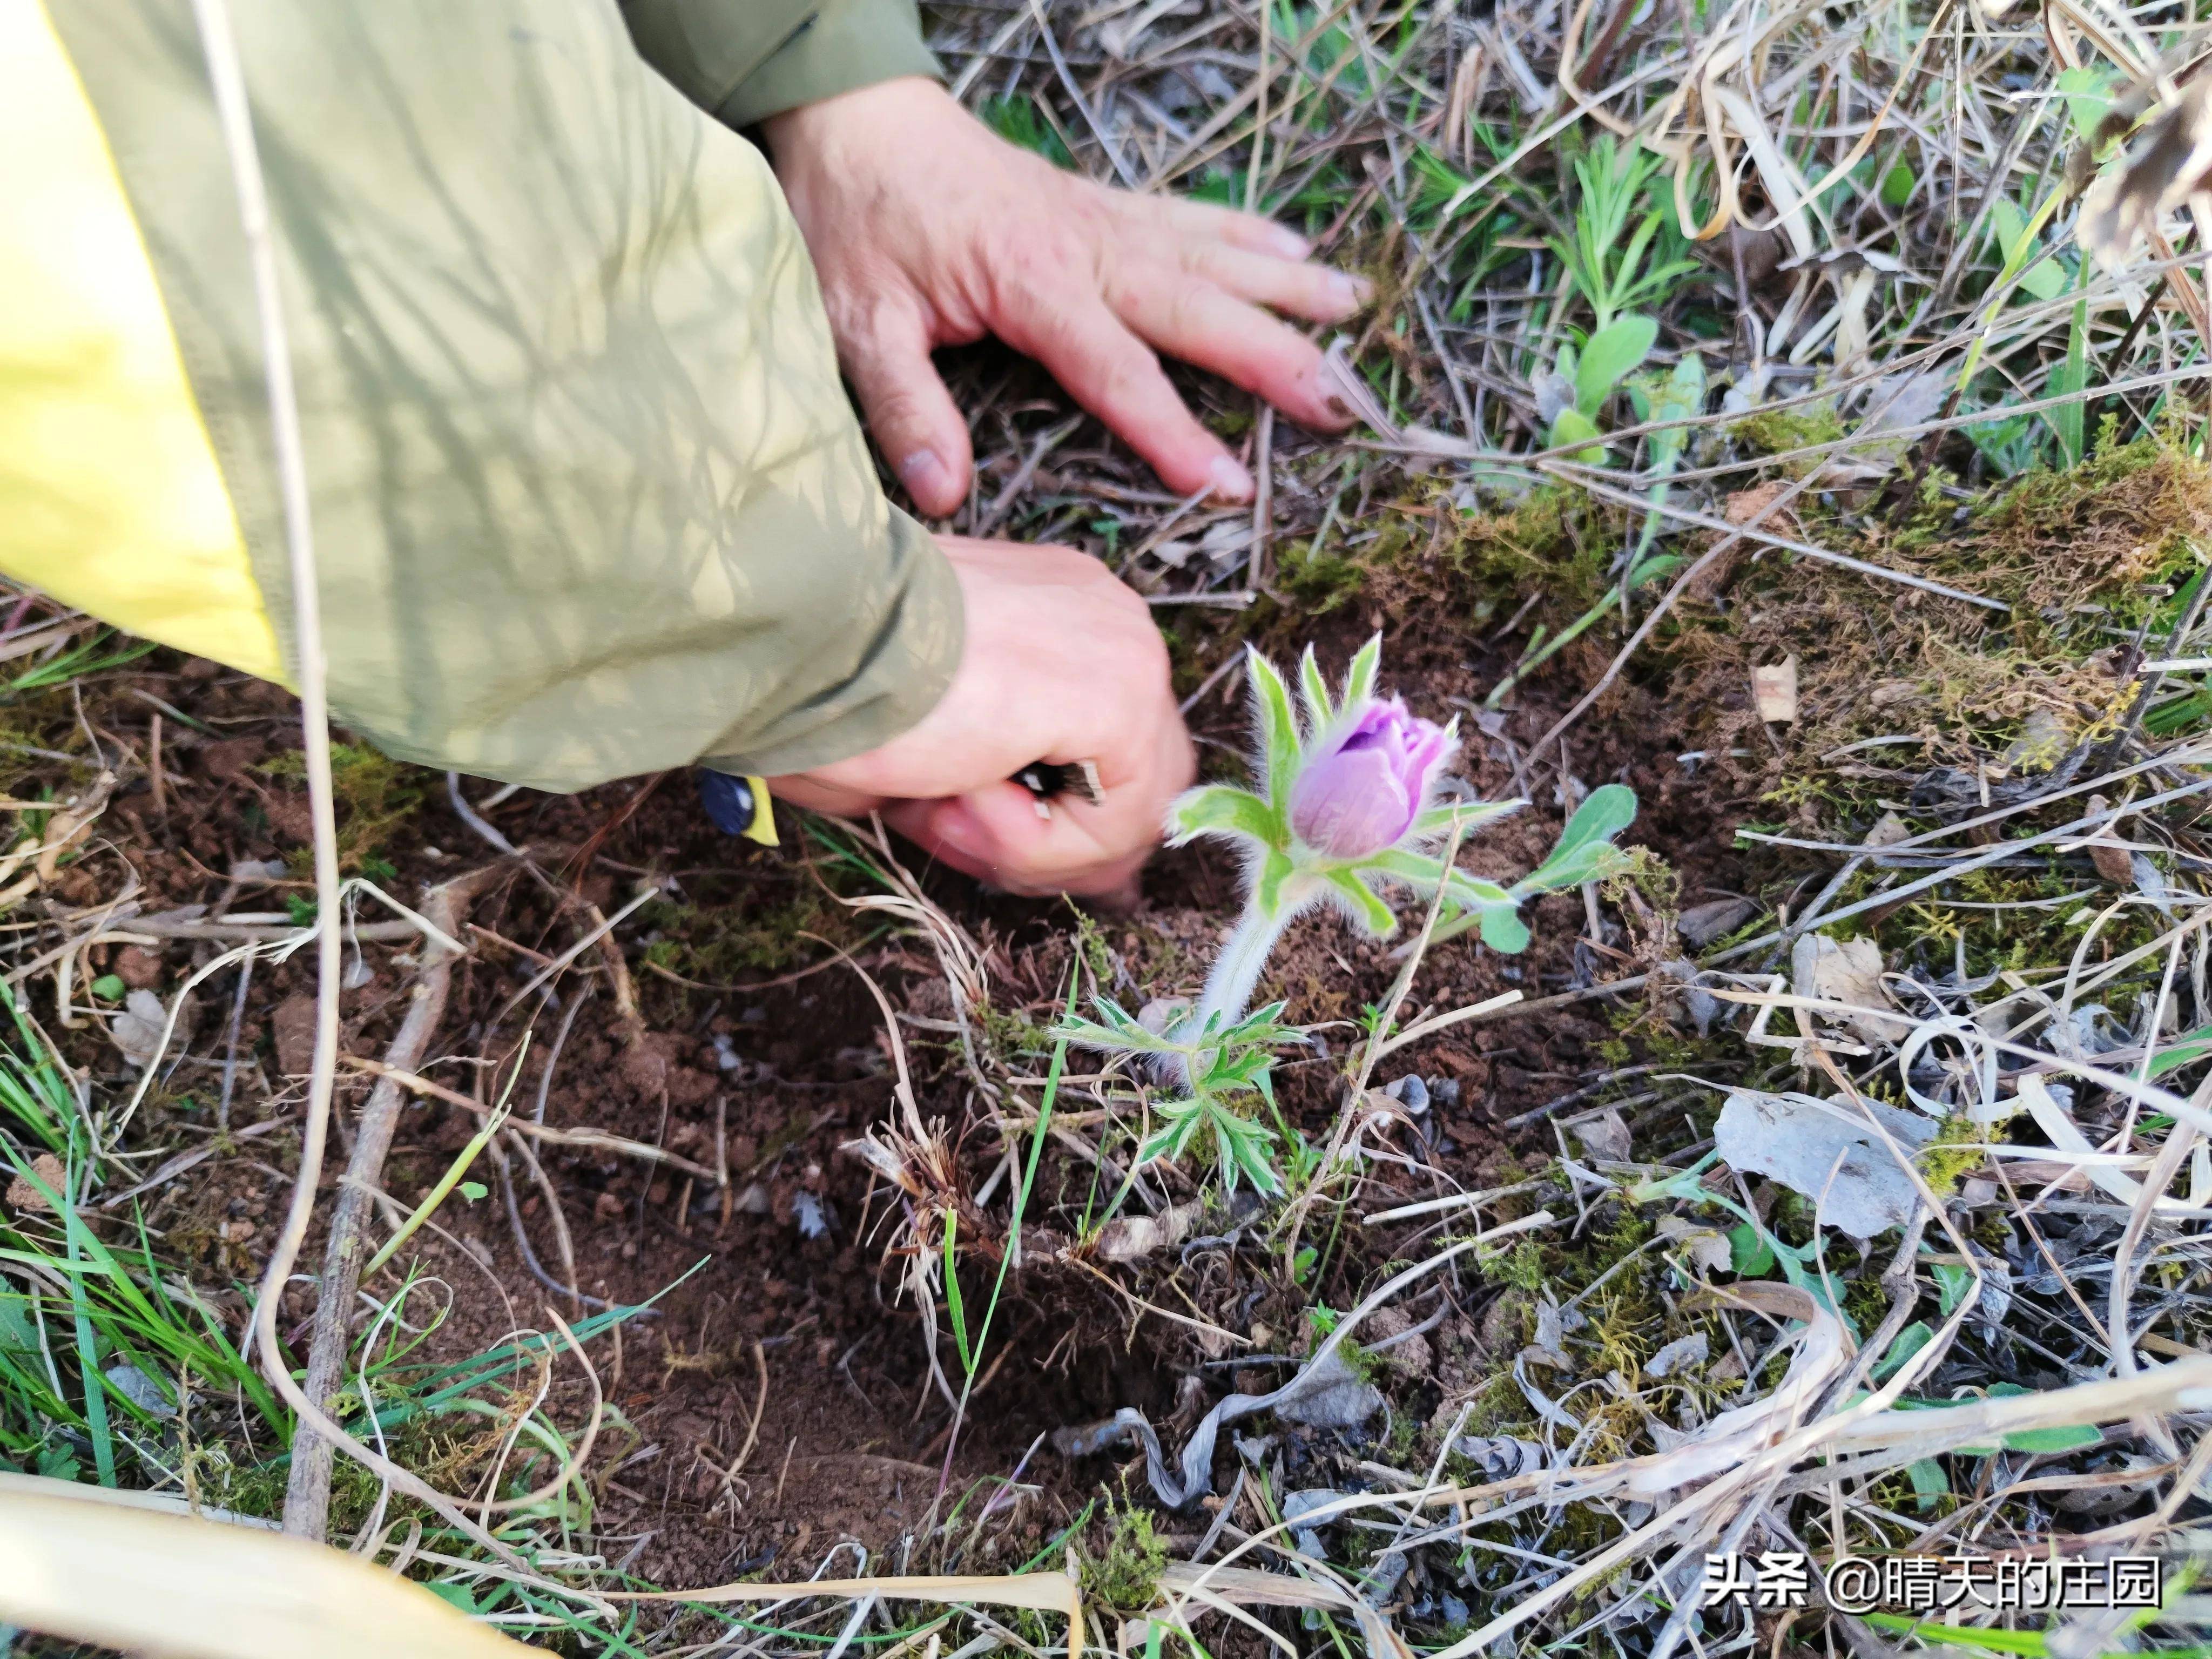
(821, 127)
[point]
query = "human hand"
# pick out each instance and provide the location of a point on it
(1060, 663)
(929, 229)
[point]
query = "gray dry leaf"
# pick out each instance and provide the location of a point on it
(1845, 970)
(1129, 1237)
(2167, 164)
(1555, 393)
(1689, 1350)
(136, 1031)
(1824, 1150)
(1327, 1394)
(1709, 1246)
(1605, 1137)
(1502, 1456)
(140, 1390)
(1701, 923)
(1888, 831)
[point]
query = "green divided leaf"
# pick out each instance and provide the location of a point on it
(2044, 278)
(1585, 850)
(1502, 930)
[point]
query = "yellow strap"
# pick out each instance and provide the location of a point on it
(110, 499)
(763, 828)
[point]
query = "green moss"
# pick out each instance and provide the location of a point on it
(1556, 539)
(373, 794)
(1318, 581)
(1125, 1573)
(1499, 1407)
(1959, 1148)
(724, 944)
(1522, 1267)
(1778, 431)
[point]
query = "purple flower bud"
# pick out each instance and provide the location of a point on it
(1361, 794)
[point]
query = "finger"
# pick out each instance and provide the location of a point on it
(1251, 231)
(1294, 286)
(1109, 371)
(910, 414)
(1201, 324)
(816, 796)
(997, 835)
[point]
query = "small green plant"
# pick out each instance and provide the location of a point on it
(1678, 397)
(1222, 1065)
(1615, 269)
(1612, 273)
(1019, 120)
(1345, 805)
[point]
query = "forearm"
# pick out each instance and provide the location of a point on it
(743, 61)
(588, 497)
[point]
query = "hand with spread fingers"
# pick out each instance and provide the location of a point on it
(1059, 663)
(927, 229)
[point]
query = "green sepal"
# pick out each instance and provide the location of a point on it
(1359, 678)
(1372, 913)
(1469, 815)
(1279, 727)
(1216, 809)
(1321, 708)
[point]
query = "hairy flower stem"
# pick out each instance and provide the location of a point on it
(1236, 970)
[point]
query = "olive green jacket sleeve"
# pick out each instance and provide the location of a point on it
(743, 60)
(589, 499)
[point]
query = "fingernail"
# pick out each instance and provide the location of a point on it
(1350, 292)
(1290, 244)
(923, 474)
(1230, 482)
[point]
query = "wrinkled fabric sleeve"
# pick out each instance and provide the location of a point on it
(589, 499)
(743, 60)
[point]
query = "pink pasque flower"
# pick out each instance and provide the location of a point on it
(1361, 794)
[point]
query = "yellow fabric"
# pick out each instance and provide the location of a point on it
(110, 499)
(763, 828)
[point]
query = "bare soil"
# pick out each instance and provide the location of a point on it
(777, 1399)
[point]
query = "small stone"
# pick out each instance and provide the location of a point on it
(23, 1195)
(1410, 1092)
(138, 968)
(1774, 687)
